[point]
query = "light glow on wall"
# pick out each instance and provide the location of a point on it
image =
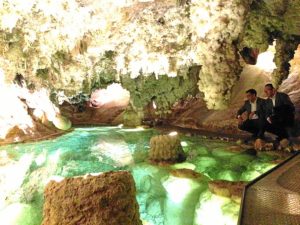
(17, 101)
(113, 95)
(265, 59)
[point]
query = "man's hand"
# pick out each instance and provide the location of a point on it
(269, 120)
(240, 120)
(251, 115)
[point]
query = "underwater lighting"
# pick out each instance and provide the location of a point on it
(184, 143)
(140, 128)
(173, 133)
(211, 210)
(10, 215)
(40, 159)
(182, 196)
(184, 165)
(178, 188)
(265, 59)
(117, 151)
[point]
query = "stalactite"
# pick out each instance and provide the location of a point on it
(285, 51)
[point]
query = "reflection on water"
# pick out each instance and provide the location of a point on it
(25, 169)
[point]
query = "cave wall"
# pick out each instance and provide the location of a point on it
(272, 20)
(194, 114)
(74, 47)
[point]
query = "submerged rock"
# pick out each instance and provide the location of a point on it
(228, 175)
(186, 173)
(233, 190)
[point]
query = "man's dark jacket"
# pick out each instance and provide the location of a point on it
(260, 107)
(283, 111)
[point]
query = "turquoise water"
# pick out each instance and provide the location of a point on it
(26, 168)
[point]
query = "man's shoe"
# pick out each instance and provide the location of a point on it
(259, 144)
(284, 143)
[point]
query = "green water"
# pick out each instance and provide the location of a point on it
(25, 169)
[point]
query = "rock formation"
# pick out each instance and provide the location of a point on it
(273, 20)
(229, 189)
(108, 198)
(28, 114)
(166, 148)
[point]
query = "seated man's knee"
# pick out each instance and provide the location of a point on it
(241, 126)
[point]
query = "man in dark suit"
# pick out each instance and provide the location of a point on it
(251, 115)
(280, 112)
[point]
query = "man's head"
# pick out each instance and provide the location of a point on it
(270, 91)
(251, 95)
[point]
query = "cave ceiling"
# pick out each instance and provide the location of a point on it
(76, 46)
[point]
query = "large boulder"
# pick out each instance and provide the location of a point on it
(166, 148)
(104, 199)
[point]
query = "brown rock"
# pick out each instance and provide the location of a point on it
(186, 173)
(90, 115)
(229, 189)
(105, 199)
(235, 148)
(166, 148)
(14, 132)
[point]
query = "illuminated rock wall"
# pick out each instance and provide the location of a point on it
(74, 47)
(217, 24)
(269, 21)
(27, 114)
(142, 38)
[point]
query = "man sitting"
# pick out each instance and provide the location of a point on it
(253, 120)
(280, 112)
